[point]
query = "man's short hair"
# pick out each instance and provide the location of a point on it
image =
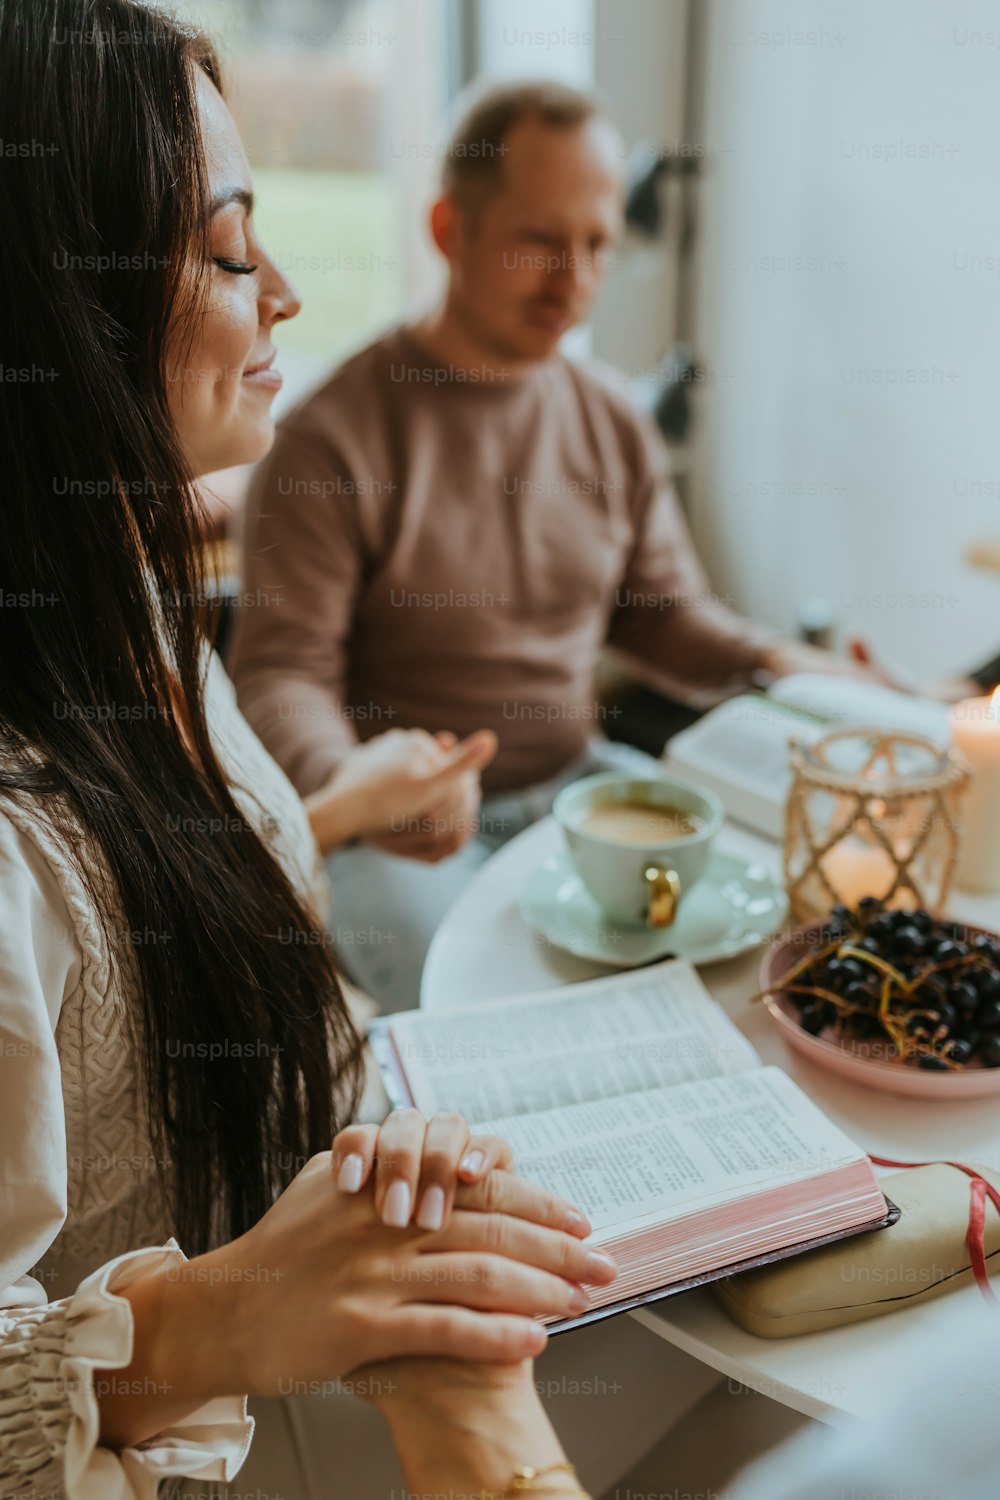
(474, 158)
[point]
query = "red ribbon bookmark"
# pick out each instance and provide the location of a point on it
(976, 1238)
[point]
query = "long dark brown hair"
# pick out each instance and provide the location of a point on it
(238, 1029)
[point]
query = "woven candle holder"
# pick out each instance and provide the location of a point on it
(871, 813)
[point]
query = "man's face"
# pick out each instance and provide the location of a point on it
(527, 263)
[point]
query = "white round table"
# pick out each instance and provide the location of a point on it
(483, 949)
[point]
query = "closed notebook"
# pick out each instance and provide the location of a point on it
(638, 1099)
(924, 1255)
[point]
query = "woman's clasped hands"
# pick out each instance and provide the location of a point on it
(413, 1238)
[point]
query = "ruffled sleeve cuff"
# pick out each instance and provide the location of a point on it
(51, 1373)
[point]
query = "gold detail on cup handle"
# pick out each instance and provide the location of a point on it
(664, 894)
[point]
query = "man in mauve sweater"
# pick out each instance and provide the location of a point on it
(447, 533)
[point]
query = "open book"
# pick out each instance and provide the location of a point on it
(740, 748)
(636, 1098)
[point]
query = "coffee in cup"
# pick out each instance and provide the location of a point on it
(638, 844)
(638, 822)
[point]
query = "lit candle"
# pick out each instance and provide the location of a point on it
(975, 734)
(855, 869)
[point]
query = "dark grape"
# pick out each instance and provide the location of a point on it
(988, 1015)
(933, 990)
(947, 1014)
(965, 997)
(987, 984)
(907, 940)
(814, 1017)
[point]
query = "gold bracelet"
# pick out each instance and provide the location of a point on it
(523, 1482)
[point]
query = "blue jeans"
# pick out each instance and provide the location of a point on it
(386, 910)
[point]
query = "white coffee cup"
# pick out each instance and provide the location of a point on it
(639, 881)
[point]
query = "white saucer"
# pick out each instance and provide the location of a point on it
(735, 906)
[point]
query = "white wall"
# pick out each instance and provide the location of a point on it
(639, 69)
(802, 96)
(528, 39)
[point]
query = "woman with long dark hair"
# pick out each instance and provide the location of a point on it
(172, 1060)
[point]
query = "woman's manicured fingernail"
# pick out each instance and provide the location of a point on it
(576, 1223)
(599, 1267)
(349, 1176)
(430, 1215)
(472, 1162)
(396, 1208)
(578, 1300)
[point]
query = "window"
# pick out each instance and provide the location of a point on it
(338, 103)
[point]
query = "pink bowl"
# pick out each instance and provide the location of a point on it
(870, 1072)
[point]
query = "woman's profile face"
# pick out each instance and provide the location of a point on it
(221, 379)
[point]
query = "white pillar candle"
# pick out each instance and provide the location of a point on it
(855, 869)
(975, 734)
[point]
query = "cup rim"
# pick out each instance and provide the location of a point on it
(717, 813)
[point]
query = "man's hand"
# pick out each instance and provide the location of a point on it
(409, 792)
(443, 828)
(783, 658)
(948, 690)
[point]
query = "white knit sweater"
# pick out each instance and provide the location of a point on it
(80, 1211)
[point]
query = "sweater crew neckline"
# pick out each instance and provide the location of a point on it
(482, 381)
